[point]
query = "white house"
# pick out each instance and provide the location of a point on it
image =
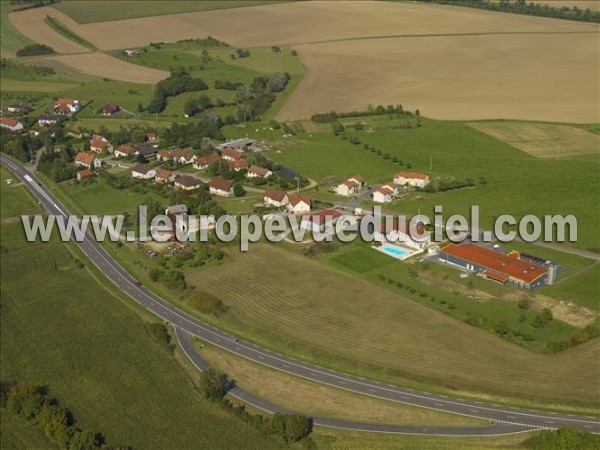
(187, 183)
(10, 124)
(221, 187)
(230, 154)
(47, 119)
(98, 144)
(66, 105)
(124, 150)
(415, 179)
(382, 195)
(298, 203)
(399, 231)
(143, 172)
(87, 160)
(348, 188)
(358, 179)
(275, 197)
(258, 172)
(204, 161)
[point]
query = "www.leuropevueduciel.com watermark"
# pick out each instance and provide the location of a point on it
(318, 227)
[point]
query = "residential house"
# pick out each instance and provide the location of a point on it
(150, 137)
(174, 210)
(132, 52)
(10, 124)
(17, 108)
(143, 172)
(66, 106)
(298, 203)
(348, 188)
(400, 231)
(109, 109)
(237, 144)
(146, 151)
(124, 150)
(261, 172)
(321, 220)
(83, 174)
(187, 183)
(183, 156)
(164, 175)
(240, 164)
(221, 187)
(383, 195)
(275, 197)
(48, 119)
(415, 179)
(204, 161)
(230, 154)
(358, 179)
(99, 144)
(87, 160)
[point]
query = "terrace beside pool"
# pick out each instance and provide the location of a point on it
(395, 251)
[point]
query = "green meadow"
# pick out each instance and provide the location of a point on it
(10, 39)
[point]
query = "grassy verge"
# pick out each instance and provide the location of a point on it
(15, 199)
(61, 28)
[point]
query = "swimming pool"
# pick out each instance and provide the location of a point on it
(395, 251)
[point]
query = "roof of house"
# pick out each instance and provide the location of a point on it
(110, 108)
(98, 141)
(275, 194)
(324, 217)
(163, 174)
(417, 175)
(349, 183)
(296, 198)
(150, 136)
(85, 173)
(221, 184)
(241, 163)
(177, 209)
(127, 149)
(260, 171)
(179, 153)
(358, 178)
(165, 154)
(85, 158)
(496, 261)
(208, 159)
(141, 168)
(8, 122)
(385, 190)
(237, 143)
(49, 117)
(186, 180)
(147, 150)
(231, 153)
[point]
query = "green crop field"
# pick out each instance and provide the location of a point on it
(308, 309)
(103, 11)
(93, 353)
(17, 433)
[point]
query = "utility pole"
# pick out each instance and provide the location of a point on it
(430, 164)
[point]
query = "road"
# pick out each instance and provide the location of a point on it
(518, 419)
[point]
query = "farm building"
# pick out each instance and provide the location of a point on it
(237, 144)
(221, 187)
(98, 144)
(124, 150)
(275, 197)
(399, 231)
(143, 172)
(299, 204)
(495, 265)
(10, 124)
(87, 160)
(415, 179)
(187, 183)
(205, 161)
(258, 172)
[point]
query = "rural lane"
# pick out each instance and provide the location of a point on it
(515, 419)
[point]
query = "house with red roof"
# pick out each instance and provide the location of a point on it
(87, 160)
(299, 203)
(221, 187)
(230, 154)
(10, 124)
(348, 188)
(66, 106)
(204, 161)
(415, 179)
(83, 174)
(109, 109)
(238, 165)
(495, 265)
(125, 150)
(99, 144)
(258, 172)
(164, 175)
(275, 197)
(150, 137)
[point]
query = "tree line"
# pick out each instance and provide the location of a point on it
(378, 110)
(179, 82)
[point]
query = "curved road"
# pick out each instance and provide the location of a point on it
(514, 419)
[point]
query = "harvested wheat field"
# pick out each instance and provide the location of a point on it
(543, 140)
(103, 65)
(537, 77)
(303, 22)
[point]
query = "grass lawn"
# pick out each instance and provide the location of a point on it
(103, 11)
(92, 351)
(15, 199)
(293, 304)
(16, 433)
(312, 398)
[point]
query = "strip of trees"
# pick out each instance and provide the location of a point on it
(378, 110)
(179, 82)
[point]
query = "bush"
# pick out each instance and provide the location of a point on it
(35, 49)
(213, 385)
(563, 438)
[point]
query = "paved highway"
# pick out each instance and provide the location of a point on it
(517, 419)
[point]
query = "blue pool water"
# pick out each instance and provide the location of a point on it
(396, 251)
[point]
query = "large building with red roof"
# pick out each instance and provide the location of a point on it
(504, 268)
